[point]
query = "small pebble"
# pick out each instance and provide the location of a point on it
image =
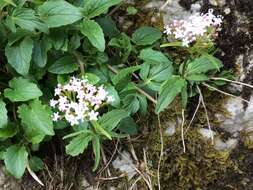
(227, 11)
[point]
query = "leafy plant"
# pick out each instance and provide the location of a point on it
(45, 43)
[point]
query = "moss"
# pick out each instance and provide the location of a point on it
(200, 167)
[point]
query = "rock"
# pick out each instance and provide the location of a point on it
(220, 145)
(171, 129)
(206, 133)
(239, 119)
(232, 143)
(217, 2)
(125, 164)
(85, 185)
(227, 11)
(7, 182)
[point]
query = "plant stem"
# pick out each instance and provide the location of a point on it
(207, 118)
(115, 8)
(222, 92)
(80, 61)
(164, 5)
(182, 130)
(137, 88)
(194, 115)
(161, 152)
(232, 81)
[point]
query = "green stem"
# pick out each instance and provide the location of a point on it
(99, 129)
(80, 61)
(137, 88)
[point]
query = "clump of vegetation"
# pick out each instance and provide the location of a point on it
(71, 55)
(198, 168)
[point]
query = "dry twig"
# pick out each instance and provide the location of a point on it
(182, 130)
(161, 152)
(34, 176)
(105, 161)
(207, 118)
(147, 181)
(194, 114)
(232, 81)
(222, 92)
(164, 5)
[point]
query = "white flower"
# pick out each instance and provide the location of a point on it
(110, 99)
(196, 26)
(56, 116)
(101, 93)
(93, 115)
(57, 91)
(78, 100)
(53, 103)
(167, 30)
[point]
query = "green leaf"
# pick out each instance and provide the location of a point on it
(75, 42)
(19, 56)
(114, 94)
(131, 10)
(94, 8)
(100, 129)
(10, 130)
(123, 43)
(131, 103)
(36, 164)
(57, 13)
(203, 64)
(32, 135)
(172, 44)
(36, 116)
(40, 52)
(156, 69)
(3, 114)
(22, 90)
(197, 77)
(58, 38)
(111, 119)
(96, 150)
(94, 33)
(4, 3)
(124, 73)
(76, 134)
(128, 126)
(15, 159)
(64, 65)
(146, 35)
(169, 90)
(78, 144)
(184, 96)
(18, 35)
(154, 57)
(26, 19)
(92, 78)
(109, 27)
(143, 104)
(156, 75)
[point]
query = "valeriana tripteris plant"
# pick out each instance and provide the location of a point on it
(78, 100)
(195, 27)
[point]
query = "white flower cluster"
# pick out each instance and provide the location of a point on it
(78, 100)
(196, 26)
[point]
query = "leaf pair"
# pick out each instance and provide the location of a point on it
(196, 71)
(156, 68)
(35, 117)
